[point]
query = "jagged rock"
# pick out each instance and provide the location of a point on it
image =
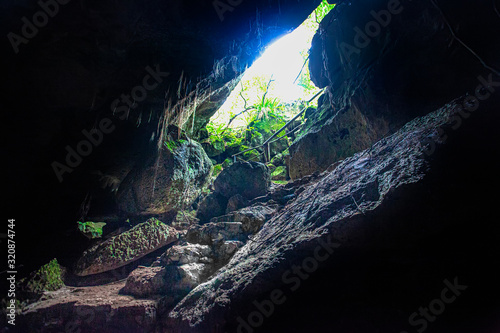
(214, 204)
(167, 182)
(131, 245)
(226, 250)
(235, 202)
(186, 254)
(145, 281)
(369, 201)
(252, 218)
(249, 179)
(214, 234)
(182, 279)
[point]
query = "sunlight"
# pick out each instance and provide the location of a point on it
(285, 63)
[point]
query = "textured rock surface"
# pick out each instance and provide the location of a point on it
(145, 281)
(175, 273)
(353, 208)
(249, 179)
(252, 218)
(214, 234)
(366, 99)
(169, 182)
(90, 309)
(131, 245)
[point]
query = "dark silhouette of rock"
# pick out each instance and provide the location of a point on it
(249, 179)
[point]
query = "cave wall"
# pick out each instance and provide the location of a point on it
(385, 62)
(67, 73)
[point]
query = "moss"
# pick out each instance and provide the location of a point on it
(279, 173)
(47, 278)
(280, 182)
(173, 145)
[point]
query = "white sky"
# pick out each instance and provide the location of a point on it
(283, 59)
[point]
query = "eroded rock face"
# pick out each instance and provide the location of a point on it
(126, 247)
(356, 206)
(374, 85)
(168, 182)
(249, 179)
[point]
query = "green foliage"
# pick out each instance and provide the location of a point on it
(47, 278)
(279, 173)
(91, 229)
(217, 170)
(254, 111)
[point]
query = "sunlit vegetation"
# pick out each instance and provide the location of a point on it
(275, 89)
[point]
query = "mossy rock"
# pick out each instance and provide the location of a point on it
(169, 181)
(126, 247)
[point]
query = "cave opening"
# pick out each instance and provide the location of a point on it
(272, 91)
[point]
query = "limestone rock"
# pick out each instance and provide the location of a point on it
(215, 233)
(369, 201)
(252, 218)
(185, 254)
(145, 281)
(131, 245)
(166, 182)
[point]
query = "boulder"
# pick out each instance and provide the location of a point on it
(177, 271)
(185, 254)
(214, 204)
(249, 179)
(180, 280)
(145, 281)
(126, 247)
(365, 99)
(214, 234)
(167, 182)
(252, 218)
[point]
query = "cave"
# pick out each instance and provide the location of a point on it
(152, 187)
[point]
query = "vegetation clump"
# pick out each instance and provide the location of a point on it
(48, 278)
(91, 229)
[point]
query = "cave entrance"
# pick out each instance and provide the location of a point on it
(271, 92)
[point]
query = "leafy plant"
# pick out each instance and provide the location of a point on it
(91, 229)
(47, 278)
